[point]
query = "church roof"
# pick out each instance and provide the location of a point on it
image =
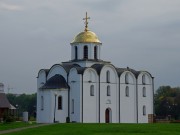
(4, 103)
(98, 67)
(121, 70)
(68, 67)
(86, 37)
(56, 82)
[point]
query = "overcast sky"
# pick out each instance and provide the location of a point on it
(141, 34)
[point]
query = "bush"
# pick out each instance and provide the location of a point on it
(8, 118)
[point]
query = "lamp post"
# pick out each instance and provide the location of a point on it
(17, 111)
(55, 95)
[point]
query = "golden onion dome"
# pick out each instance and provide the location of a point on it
(86, 36)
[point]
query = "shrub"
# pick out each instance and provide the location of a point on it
(8, 118)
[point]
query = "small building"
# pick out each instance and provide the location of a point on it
(88, 89)
(5, 106)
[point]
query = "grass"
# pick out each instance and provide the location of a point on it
(13, 125)
(103, 129)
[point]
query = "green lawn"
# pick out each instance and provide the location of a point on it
(5, 126)
(103, 129)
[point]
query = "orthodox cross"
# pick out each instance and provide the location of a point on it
(86, 22)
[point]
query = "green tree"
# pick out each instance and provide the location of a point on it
(23, 102)
(167, 102)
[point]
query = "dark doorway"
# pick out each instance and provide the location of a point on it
(108, 115)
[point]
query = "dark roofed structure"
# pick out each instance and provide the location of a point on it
(4, 103)
(56, 82)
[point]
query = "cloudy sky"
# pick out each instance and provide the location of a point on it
(141, 34)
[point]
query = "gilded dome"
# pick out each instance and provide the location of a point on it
(86, 36)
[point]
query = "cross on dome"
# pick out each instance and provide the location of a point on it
(86, 22)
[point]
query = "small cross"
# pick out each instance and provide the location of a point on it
(86, 22)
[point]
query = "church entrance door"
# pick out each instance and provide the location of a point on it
(108, 115)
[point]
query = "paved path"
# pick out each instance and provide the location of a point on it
(19, 129)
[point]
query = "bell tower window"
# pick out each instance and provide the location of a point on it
(95, 52)
(76, 52)
(85, 52)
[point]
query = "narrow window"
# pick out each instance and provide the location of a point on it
(60, 103)
(72, 106)
(108, 77)
(126, 78)
(143, 79)
(144, 110)
(42, 103)
(144, 91)
(108, 91)
(127, 91)
(92, 90)
(76, 52)
(95, 52)
(85, 52)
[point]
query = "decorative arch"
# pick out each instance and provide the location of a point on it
(54, 70)
(144, 80)
(128, 77)
(113, 73)
(90, 75)
(43, 71)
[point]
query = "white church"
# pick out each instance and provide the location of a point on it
(87, 89)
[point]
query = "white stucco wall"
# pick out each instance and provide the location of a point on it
(90, 112)
(80, 48)
(113, 98)
(90, 103)
(128, 104)
(145, 101)
(75, 94)
(60, 115)
(44, 115)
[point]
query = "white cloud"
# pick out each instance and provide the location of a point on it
(10, 7)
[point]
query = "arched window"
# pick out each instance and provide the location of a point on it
(144, 110)
(85, 52)
(144, 91)
(60, 103)
(127, 91)
(108, 77)
(76, 52)
(143, 79)
(108, 91)
(42, 103)
(92, 90)
(72, 105)
(126, 78)
(95, 52)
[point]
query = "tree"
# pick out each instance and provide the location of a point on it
(167, 102)
(23, 102)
